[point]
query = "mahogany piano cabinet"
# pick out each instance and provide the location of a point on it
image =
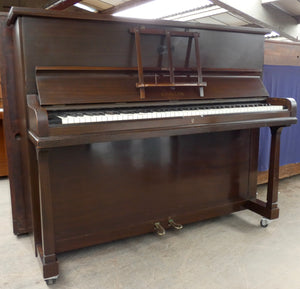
(3, 156)
(129, 127)
(15, 129)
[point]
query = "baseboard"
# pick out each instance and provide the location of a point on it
(284, 172)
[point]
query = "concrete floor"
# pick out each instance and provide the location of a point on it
(231, 252)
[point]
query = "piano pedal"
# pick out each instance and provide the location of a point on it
(175, 225)
(159, 229)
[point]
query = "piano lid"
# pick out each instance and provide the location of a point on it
(16, 12)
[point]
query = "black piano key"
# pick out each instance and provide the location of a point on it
(54, 120)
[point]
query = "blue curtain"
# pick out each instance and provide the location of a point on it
(282, 82)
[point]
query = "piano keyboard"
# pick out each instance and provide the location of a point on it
(142, 113)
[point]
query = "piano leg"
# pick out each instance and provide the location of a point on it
(272, 194)
(46, 249)
(270, 208)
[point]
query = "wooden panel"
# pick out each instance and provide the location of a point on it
(95, 194)
(285, 171)
(3, 156)
(56, 86)
(282, 53)
(110, 44)
(15, 131)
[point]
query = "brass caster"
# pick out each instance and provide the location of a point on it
(159, 229)
(175, 225)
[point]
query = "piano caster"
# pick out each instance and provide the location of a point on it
(51, 281)
(159, 229)
(175, 225)
(264, 222)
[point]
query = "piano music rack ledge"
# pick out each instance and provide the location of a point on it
(172, 83)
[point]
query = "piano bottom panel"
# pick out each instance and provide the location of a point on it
(106, 191)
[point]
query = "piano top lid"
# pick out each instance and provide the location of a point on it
(16, 12)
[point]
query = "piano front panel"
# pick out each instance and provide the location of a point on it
(67, 42)
(56, 85)
(124, 187)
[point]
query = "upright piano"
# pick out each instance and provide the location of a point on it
(133, 126)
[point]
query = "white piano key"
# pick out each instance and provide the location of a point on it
(93, 118)
(168, 113)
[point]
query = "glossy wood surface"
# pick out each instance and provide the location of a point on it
(133, 184)
(110, 44)
(94, 183)
(96, 85)
(282, 53)
(15, 132)
(3, 154)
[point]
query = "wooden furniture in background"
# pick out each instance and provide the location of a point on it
(281, 53)
(285, 171)
(96, 182)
